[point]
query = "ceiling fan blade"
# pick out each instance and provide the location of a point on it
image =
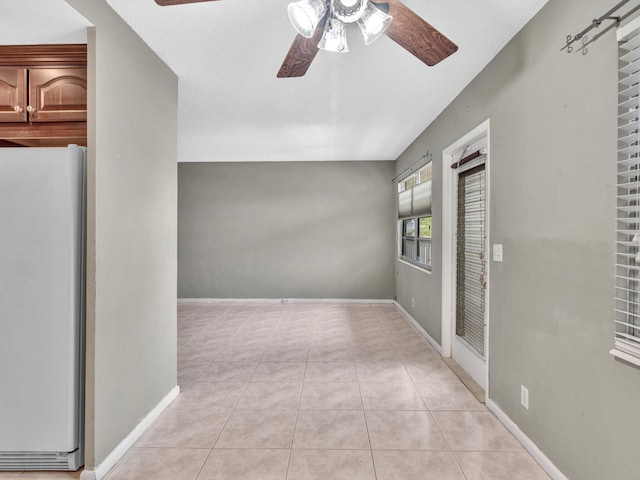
(301, 54)
(166, 3)
(416, 36)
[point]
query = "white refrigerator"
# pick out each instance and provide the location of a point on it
(42, 238)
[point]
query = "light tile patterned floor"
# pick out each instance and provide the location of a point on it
(318, 392)
(39, 475)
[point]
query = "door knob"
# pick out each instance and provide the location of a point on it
(17, 109)
(30, 109)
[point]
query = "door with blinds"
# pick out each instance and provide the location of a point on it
(470, 339)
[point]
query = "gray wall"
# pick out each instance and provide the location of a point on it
(132, 230)
(553, 144)
(286, 230)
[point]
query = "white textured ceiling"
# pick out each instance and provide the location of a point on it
(368, 104)
(32, 22)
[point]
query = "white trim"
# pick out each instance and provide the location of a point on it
(418, 327)
(625, 356)
(448, 239)
(412, 265)
(88, 475)
(470, 361)
(134, 435)
(448, 285)
(537, 454)
(207, 301)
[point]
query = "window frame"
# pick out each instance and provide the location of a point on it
(415, 211)
(417, 239)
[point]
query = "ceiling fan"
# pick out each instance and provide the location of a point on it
(321, 25)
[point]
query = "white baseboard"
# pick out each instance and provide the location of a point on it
(129, 441)
(418, 327)
(546, 464)
(207, 301)
(88, 475)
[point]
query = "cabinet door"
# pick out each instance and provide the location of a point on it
(58, 94)
(13, 93)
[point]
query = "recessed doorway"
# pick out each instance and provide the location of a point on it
(465, 245)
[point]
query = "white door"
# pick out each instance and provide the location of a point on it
(470, 256)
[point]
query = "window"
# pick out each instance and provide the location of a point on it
(414, 217)
(627, 262)
(416, 242)
(424, 227)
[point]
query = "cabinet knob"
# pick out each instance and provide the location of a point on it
(30, 109)
(17, 109)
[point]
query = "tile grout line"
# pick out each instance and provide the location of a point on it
(455, 459)
(210, 362)
(395, 345)
(366, 424)
(135, 445)
(227, 420)
(188, 342)
(295, 424)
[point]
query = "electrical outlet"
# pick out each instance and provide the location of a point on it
(413, 303)
(524, 396)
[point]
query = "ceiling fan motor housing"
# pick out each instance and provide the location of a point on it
(348, 11)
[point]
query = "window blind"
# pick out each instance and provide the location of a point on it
(405, 203)
(414, 194)
(470, 250)
(627, 263)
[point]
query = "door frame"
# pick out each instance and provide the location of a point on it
(449, 217)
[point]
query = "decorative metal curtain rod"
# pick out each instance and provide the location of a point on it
(427, 156)
(586, 43)
(571, 39)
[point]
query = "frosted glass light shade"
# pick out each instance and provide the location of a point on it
(334, 38)
(373, 23)
(305, 15)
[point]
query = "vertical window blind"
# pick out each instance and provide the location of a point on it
(627, 263)
(470, 251)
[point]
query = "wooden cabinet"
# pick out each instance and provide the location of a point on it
(57, 94)
(13, 94)
(43, 95)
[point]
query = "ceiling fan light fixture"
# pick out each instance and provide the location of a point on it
(348, 11)
(373, 23)
(305, 15)
(334, 38)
